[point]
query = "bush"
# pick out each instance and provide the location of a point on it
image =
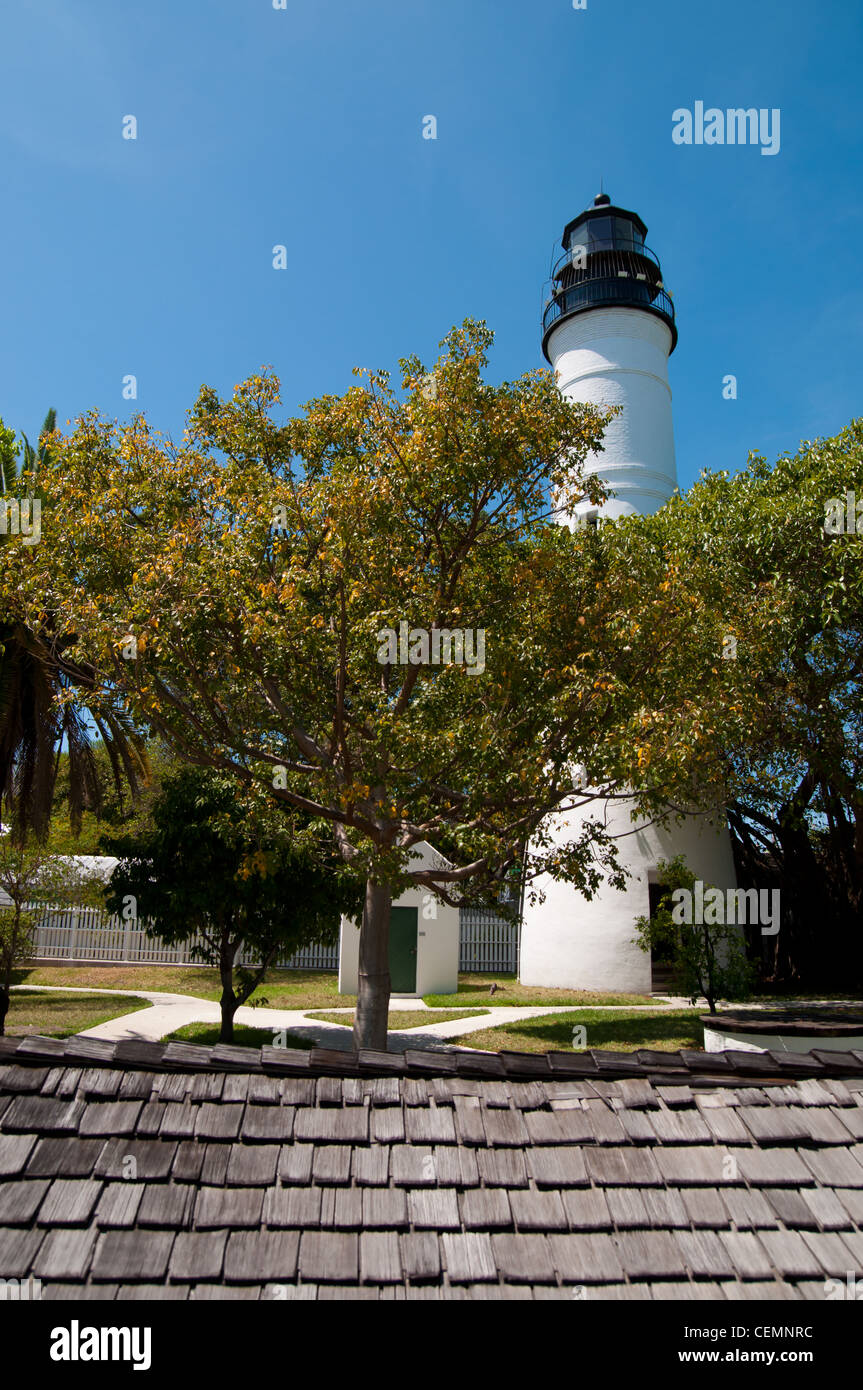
(708, 958)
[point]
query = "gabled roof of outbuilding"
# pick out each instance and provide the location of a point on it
(139, 1170)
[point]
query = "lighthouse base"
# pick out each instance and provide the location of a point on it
(568, 942)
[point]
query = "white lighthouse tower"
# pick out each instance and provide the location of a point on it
(608, 331)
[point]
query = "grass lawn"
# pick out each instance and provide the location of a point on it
(405, 1019)
(616, 1030)
(474, 989)
(304, 989)
(61, 1015)
(206, 1034)
(283, 989)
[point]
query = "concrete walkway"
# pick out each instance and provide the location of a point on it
(168, 1012)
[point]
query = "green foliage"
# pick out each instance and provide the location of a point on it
(257, 563)
(30, 874)
(708, 959)
(116, 811)
(16, 930)
(764, 613)
(48, 698)
(233, 872)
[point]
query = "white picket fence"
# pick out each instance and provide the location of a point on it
(489, 945)
(89, 934)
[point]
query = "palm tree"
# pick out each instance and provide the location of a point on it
(50, 702)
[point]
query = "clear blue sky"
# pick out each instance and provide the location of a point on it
(303, 126)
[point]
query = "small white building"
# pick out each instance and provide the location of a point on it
(572, 943)
(424, 939)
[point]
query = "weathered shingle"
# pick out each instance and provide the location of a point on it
(650, 1254)
(524, 1259)
(135, 1159)
(329, 1257)
(118, 1204)
(468, 1257)
(680, 1127)
(628, 1208)
(485, 1209)
(585, 1258)
(43, 1114)
(252, 1165)
(434, 1209)
(587, 1210)
(505, 1128)
(704, 1207)
(789, 1253)
(747, 1254)
(384, 1209)
(17, 1251)
(19, 1201)
(252, 1256)
(70, 1202)
(429, 1125)
(773, 1124)
(15, 1149)
(420, 1253)
(370, 1167)
(502, 1167)
(332, 1126)
(132, 1255)
(198, 1255)
(704, 1254)
(833, 1167)
(268, 1123)
(229, 1206)
(65, 1254)
(62, 1158)
(292, 1206)
(622, 1167)
(538, 1211)
(556, 1167)
(166, 1205)
(380, 1259)
(218, 1121)
(455, 1175)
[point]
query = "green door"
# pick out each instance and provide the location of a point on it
(403, 950)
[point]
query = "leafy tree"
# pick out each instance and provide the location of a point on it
(217, 869)
(118, 812)
(707, 959)
(48, 700)
(257, 565)
(30, 874)
(779, 605)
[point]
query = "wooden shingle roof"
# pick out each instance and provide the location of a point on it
(134, 1171)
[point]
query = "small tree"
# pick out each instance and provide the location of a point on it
(227, 873)
(708, 959)
(15, 945)
(30, 874)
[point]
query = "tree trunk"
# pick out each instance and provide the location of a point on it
(6, 995)
(373, 996)
(228, 1001)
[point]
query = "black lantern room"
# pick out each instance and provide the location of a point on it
(605, 264)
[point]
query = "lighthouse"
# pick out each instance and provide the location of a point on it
(608, 331)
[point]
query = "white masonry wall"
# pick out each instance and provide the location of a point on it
(620, 357)
(437, 938)
(571, 943)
